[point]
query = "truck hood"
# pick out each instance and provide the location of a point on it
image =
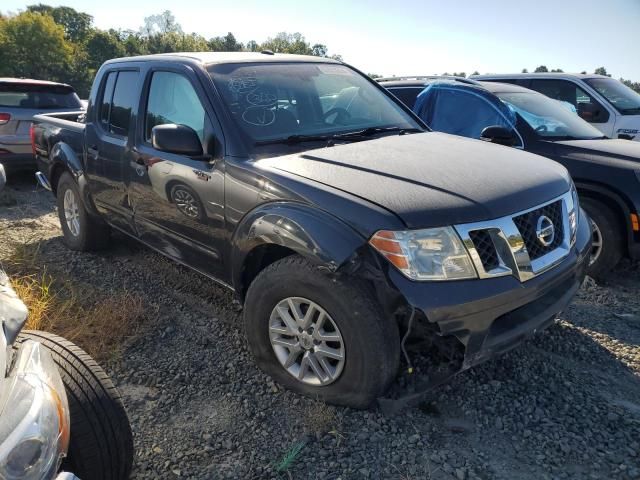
(620, 153)
(432, 179)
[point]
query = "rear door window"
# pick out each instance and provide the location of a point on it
(119, 96)
(36, 96)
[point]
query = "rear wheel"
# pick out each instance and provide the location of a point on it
(101, 443)
(608, 240)
(320, 334)
(81, 231)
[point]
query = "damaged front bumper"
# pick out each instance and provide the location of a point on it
(487, 317)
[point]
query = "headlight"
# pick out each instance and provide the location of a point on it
(430, 254)
(574, 212)
(34, 417)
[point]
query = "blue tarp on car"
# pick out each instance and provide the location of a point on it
(461, 109)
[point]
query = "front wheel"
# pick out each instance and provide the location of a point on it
(608, 242)
(101, 443)
(320, 334)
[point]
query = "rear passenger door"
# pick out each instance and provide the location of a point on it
(109, 133)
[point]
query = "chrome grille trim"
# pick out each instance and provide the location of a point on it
(513, 257)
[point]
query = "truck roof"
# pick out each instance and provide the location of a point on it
(208, 58)
(498, 76)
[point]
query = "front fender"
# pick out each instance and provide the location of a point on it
(313, 233)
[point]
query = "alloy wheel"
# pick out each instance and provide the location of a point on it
(597, 242)
(306, 341)
(186, 203)
(72, 212)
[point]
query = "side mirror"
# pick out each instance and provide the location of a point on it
(499, 135)
(3, 177)
(178, 139)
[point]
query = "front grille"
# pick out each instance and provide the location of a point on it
(486, 249)
(527, 224)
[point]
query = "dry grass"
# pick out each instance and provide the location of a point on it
(98, 321)
(319, 417)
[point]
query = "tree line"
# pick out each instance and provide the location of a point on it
(62, 44)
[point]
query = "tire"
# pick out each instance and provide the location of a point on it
(101, 443)
(371, 341)
(612, 241)
(92, 233)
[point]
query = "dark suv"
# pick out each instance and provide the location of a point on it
(340, 223)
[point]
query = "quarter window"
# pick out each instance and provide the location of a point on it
(172, 99)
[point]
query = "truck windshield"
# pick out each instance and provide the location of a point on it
(38, 96)
(549, 118)
(272, 102)
(623, 99)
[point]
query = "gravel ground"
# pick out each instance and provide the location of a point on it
(563, 405)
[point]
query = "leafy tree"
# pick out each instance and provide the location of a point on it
(524, 70)
(285, 42)
(33, 45)
(374, 75)
(162, 23)
(252, 46)
(77, 25)
(459, 74)
(102, 46)
(541, 69)
(228, 43)
(475, 72)
(602, 71)
(557, 70)
(319, 50)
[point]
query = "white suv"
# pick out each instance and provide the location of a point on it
(609, 105)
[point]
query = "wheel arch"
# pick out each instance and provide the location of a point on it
(276, 230)
(614, 201)
(64, 159)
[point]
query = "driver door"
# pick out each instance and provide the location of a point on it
(178, 201)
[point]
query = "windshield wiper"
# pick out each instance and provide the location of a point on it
(291, 139)
(370, 131)
(355, 135)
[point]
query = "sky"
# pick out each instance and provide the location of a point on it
(411, 37)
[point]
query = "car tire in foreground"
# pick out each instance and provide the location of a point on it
(321, 334)
(81, 231)
(101, 443)
(608, 238)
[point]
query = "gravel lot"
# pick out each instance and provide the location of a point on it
(563, 405)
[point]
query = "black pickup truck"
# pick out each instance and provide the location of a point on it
(348, 231)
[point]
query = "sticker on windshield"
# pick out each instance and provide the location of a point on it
(335, 70)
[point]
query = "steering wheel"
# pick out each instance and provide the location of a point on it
(541, 128)
(342, 114)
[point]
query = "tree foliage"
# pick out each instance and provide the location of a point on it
(61, 44)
